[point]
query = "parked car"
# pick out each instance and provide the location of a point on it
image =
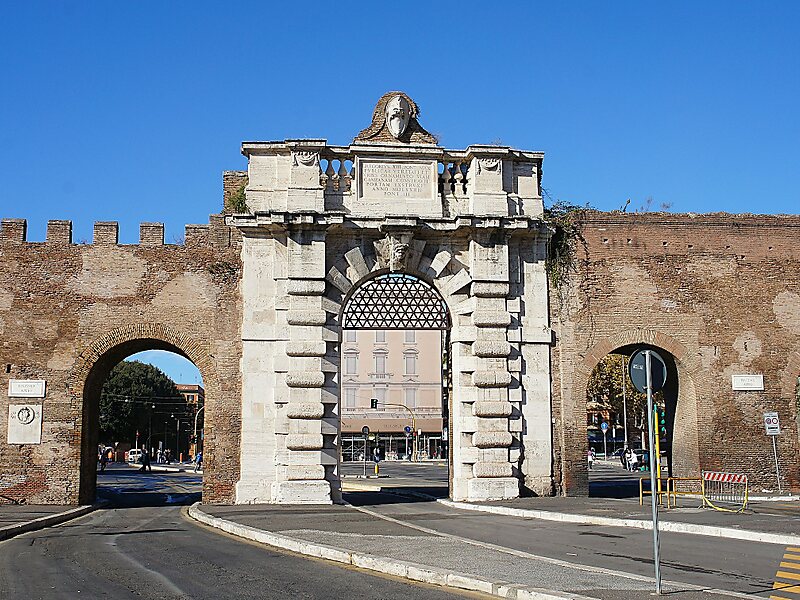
(134, 455)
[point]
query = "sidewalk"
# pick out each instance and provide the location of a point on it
(355, 537)
(769, 522)
(18, 519)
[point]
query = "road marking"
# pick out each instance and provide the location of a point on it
(793, 576)
(547, 559)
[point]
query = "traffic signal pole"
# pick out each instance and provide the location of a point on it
(653, 485)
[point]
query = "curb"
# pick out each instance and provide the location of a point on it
(672, 526)
(11, 531)
(370, 562)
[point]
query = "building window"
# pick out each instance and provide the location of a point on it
(380, 336)
(410, 362)
(380, 363)
(350, 335)
(350, 397)
(411, 336)
(379, 393)
(411, 397)
(351, 364)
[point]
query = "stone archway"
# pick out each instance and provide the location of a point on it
(682, 401)
(325, 218)
(96, 361)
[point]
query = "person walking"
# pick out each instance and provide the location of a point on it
(590, 458)
(145, 461)
(198, 461)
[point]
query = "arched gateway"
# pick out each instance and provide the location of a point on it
(393, 218)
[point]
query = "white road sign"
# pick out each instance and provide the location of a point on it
(772, 423)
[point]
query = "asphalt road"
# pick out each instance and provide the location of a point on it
(143, 548)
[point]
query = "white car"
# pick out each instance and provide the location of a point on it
(134, 455)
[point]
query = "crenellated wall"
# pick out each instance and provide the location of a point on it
(69, 312)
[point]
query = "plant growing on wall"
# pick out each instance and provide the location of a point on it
(237, 203)
(562, 218)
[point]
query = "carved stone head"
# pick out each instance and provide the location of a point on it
(398, 114)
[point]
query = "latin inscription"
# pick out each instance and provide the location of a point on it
(395, 180)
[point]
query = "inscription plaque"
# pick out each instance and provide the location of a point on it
(25, 424)
(26, 388)
(396, 180)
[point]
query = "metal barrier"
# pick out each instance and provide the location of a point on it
(724, 488)
(676, 486)
(661, 492)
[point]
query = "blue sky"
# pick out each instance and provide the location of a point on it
(130, 111)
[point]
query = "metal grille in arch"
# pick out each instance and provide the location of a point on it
(395, 301)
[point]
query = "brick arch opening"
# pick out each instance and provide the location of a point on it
(681, 402)
(93, 366)
(424, 309)
(790, 389)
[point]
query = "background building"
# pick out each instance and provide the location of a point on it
(398, 368)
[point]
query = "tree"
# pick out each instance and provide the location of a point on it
(128, 397)
(605, 387)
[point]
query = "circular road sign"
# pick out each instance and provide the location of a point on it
(365, 430)
(637, 369)
(604, 426)
(407, 428)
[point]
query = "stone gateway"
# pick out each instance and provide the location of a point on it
(454, 240)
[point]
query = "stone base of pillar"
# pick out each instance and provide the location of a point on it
(540, 485)
(254, 492)
(301, 492)
(498, 488)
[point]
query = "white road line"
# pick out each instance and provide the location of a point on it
(547, 559)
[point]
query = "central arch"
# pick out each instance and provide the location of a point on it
(386, 302)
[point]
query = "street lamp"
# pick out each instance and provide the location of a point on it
(195, 426)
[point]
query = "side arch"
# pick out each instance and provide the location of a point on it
(92, 366)
(684, 454)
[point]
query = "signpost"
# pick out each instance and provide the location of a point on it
(604, 429)
(365, 433)
(773, 426)
(648, 373)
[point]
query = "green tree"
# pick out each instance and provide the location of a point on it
(128, 397)
(605, 387)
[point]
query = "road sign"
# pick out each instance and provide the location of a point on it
(365, 430)
(604, 426)
(772, 423)
(407, 429)
(637, 368)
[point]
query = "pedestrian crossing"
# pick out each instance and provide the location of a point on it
(787, 578)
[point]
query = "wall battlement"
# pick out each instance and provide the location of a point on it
(215, 233)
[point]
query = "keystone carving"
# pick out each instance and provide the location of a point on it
(392, 252)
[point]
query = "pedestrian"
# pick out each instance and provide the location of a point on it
(160, 456)
(626, 459)
(145, 461)
(168, 456)
(198, 461)
(590, 458)
(103, 461)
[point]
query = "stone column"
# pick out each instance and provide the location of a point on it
(263, 342)
(493, 473)
(535, 341)
(309, 409)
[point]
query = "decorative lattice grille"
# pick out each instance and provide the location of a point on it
(395, 301)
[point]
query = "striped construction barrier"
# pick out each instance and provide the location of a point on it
(724, 488)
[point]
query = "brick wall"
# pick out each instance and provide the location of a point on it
(721, 294)
(69, 312)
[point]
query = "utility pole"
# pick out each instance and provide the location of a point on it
(624, 400)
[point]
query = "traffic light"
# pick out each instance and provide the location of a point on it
(373, 403)
(662, 421)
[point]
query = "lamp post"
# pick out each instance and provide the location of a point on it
(624, 402)
(195, 427)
